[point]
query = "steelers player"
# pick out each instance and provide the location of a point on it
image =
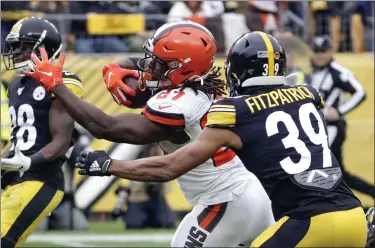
(279, 133)
(41, 134)
(5, 120)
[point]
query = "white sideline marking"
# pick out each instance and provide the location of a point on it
(71, 244)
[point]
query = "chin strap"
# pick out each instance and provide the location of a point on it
(21, 67)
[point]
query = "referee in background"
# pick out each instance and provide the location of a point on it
(333, 81)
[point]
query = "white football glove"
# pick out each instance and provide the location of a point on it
(18, 162)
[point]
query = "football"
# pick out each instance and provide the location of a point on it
(141, 97)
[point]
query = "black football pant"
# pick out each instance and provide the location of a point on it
(337, 135)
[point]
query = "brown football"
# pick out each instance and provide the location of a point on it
(141, 97)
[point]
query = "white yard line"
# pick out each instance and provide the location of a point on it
(69, 244)
(75, 239)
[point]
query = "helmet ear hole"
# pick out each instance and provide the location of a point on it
(204, 42)
(184, 73)
(247, 43)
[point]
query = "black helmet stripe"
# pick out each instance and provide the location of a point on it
(271, 53)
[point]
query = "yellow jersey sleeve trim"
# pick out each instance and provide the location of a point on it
(222, 106)
(220, 118)
(74, 86)
(322, 104)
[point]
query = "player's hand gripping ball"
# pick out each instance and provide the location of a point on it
(123, 84)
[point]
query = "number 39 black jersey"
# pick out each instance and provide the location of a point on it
(285, 145)
(29, 106)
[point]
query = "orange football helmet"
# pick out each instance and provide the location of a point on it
(177, 53)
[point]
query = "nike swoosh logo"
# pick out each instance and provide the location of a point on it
(109, 78)
(46, 73)
(164, 107)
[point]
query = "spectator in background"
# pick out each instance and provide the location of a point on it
(231, 32)
(327, 19)
(368, 22)
(11, 12)
(264, 15)
(152, 22)
(86, 43)
(195, 10)
(53, 7)
(353, 11)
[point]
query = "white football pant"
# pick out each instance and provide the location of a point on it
(227, 224)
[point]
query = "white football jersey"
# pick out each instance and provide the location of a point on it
(217, 179)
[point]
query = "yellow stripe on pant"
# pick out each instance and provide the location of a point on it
(23, 207)
(333, 229)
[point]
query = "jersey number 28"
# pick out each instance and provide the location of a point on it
(24, 119)
(292, 140)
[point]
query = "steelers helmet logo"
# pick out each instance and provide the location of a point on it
(277, 55)
(39, 93)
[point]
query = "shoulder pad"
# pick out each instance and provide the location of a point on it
(318, 99)
(178, 105)
(222, 113)
(166, 115)
(162, 109)
(73, 82)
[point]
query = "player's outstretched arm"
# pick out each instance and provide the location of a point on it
(127, 128)
(160, 168)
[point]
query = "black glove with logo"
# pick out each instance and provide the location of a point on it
(93, 163)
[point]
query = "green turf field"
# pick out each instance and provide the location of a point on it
(102, 234)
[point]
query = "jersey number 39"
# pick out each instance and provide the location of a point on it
(292, 141)
(24, 119)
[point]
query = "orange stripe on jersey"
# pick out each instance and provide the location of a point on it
(211, 215)
(221, 156)
(163, 120)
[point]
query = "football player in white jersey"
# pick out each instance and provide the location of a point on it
(231, 206)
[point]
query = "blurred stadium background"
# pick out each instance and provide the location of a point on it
(99, 32)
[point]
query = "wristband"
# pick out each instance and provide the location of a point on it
(105, 167)
(37, 159)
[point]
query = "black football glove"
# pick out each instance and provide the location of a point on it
(93, 163)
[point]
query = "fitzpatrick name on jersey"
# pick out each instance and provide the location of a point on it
(278, 97)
